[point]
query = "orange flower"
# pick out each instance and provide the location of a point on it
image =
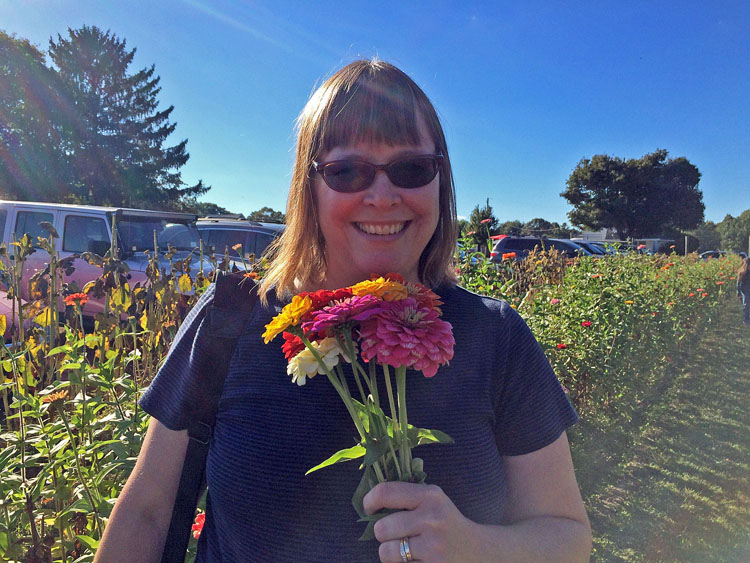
(720, 283)
(509, 255)
(197, 527)
(253, 275)
(54, 397)
(691, 294)
(79, 299)
(596, 276)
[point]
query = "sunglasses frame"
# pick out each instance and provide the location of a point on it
(319, 167)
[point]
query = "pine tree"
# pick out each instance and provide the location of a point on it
(31, 166)
(115, 138)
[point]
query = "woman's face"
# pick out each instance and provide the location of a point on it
(381, 229)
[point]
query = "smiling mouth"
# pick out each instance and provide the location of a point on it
(381, 229)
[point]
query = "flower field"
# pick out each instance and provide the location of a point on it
(70, 427)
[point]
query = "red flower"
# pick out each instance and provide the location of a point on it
(655, 313)
(509, 255)
(562, 346)
(485, 221)
(691, 294)
(76, 299)
(586, 323)
(198, 525)
(292, 346)
(498, 237)
(593, 277)
(700, 289)
(323, 297)
(704, 294)
(720, 283)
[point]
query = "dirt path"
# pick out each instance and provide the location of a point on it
(682, 492)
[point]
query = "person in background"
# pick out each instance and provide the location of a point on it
(743, 288)
(372, 192)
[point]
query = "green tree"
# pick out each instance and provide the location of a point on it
(638, 197)
(735, 232)
(512, 228)
(116, 139)
(201, 208)
(482, 223)
(267, 215)
(708, 236)
(31, 165)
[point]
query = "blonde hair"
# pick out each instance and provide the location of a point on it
(744, 272)
(366, 101)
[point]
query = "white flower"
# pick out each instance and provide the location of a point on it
(304, 364)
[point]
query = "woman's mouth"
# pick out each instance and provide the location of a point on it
(381, 228)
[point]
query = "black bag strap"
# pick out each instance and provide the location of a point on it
(234, 299)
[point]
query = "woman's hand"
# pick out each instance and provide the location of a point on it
(435, 529)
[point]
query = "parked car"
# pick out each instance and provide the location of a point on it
(712, 254)
(84, 228)
(224, 232)
(521, 246)
(591, 247)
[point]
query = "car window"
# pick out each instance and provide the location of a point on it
(3, 220)
(522, 244)
(27, 222)
(81, 230)
(219, 239)
(262, 241)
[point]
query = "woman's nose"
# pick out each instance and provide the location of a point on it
(382, 191)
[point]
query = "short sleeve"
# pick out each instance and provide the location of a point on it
(531, 408)
(175, 387)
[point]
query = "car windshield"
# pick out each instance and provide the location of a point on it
(136, 234)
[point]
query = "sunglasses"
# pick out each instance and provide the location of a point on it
(350, 176)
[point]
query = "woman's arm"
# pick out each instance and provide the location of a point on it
(545, 516)
(138, 526)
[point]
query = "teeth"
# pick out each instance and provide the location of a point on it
(381, 229)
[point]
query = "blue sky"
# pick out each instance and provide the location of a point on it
(524, 89)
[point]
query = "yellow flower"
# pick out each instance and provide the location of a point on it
(304, 365)
(387, 290)
(628, 302)
(290, 316)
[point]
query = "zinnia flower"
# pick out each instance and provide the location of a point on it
(509, 255)
(79, 299)
(197, 527)
(691, 294)
(304, 364)
(290, 315)
(594, 276)
(56, 396)
(292, 346)
(554, 301)
(352, 309)
(471, 233)
(629, 302)
(485, 221)
(586, 323)
(383, 288)
(562, 346)
(720, 283)
(404, 334)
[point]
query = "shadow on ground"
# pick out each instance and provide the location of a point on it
(681, 489)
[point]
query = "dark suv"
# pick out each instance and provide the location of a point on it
(521, 246)
(220, 233)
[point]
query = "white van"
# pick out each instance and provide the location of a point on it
(83, 228)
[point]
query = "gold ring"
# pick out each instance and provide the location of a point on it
(405, 552)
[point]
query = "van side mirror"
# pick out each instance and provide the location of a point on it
(99, 247)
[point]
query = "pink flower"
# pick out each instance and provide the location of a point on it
(405, 334)
(562, 346)
(351, 309)
(197, 527)
(586, 323)
(471, 233)
(554, 301)
(485, 221)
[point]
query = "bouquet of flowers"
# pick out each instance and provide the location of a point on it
(390, 323)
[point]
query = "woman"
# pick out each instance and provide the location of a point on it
(743, 288)
(372, 192)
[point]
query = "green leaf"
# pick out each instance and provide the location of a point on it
(88, 541)
(348, 454)
(419, 436)
(375, 449)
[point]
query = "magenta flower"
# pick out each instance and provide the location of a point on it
(351, 309)
(404, 334)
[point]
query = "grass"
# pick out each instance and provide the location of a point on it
(670, 481)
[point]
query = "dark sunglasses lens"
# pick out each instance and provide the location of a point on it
(413, 172)
(348, 176)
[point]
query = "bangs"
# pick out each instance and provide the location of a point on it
(382, 112)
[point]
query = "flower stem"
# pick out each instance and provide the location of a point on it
(404, 449)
